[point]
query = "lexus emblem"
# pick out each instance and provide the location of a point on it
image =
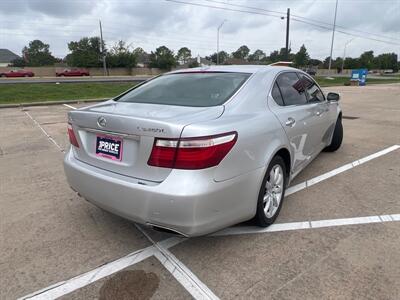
(102, 122)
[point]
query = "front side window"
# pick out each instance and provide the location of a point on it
(199, 89)
(292, 89)
(313, 91)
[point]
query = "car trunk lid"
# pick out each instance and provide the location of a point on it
(135, 125)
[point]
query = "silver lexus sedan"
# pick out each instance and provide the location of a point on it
(197, 150)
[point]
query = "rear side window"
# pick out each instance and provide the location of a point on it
(276, 94)
(292, 89)
(188, 89)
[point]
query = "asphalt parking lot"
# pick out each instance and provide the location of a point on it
(337, 237)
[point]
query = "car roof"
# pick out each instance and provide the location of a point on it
(235, 68)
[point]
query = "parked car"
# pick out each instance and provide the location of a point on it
(18, 73)
(73, 72)
(197, 150)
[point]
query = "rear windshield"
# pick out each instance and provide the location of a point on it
(188, 89)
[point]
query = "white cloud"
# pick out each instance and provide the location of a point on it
(152, 23)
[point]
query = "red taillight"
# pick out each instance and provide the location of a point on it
(191, 153)
(72, 137)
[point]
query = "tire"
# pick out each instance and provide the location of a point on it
(265, 217)
(337, 137)
(26, 75)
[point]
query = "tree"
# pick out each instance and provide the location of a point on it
(366, 59)
(18, 62)
(120, 56)
(337, 63)
(85, 53)
(351, 63)
(223, 56)
(301, 58)
(183, 55)
(280, 55)
(274, 56)
(38, 54)
(242, 52)
(162, 58)
(326, 62)
(258, 55)
(315, 62)
(386, 61)
(139, 51)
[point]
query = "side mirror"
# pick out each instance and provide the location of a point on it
(333, 97)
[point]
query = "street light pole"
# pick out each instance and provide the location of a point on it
(344, 52)
(219, 27)
(103, 50)
(333, 35)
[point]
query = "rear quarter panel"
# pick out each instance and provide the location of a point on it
(260, 134)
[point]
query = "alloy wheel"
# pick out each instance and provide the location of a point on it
(273, 191)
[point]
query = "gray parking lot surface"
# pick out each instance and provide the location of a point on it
(147, 279)
(49, 234)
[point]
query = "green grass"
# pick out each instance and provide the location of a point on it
(323, 81)
(35, 92)
(26, 93)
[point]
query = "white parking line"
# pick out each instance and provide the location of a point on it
(395, 217)
(69, 106)
(315, 180)
(45, 132)
(182, 274)
(65, 287)
(308, 225)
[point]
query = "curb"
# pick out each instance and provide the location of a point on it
(45, 103)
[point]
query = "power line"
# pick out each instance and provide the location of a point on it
(304, 18)
(351, 29)
(224, 8)
(114, 30)
(281, 14)
(294, 19)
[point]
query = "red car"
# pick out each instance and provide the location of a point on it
(18, 73)
(73, 72)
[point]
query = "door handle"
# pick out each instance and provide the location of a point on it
(290, 122)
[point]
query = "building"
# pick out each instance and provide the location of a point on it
(6, 57)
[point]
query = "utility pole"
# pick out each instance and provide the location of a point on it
(333, 35)
(103, 51)
(219, 27)
(287, 34)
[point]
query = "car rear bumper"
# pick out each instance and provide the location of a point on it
(188, 202)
